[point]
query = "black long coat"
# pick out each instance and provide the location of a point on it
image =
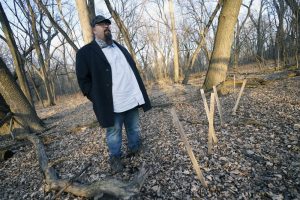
(95, 81)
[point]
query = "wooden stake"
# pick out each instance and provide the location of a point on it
(233, 84)
(218, 105)
(188, 148)
(215, 140)
(239, 97)
(210, 126)
(205, 103)
(211, 130)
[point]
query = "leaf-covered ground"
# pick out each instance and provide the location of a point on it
(257, 156)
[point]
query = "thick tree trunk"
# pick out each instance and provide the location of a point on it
(22, 110)
(193, 58)
(221, 52)
(175, 42)
(85, 20)
(18, 61)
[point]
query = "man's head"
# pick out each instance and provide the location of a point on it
(101, 28)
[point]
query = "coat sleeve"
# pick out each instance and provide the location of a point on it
(83, 74)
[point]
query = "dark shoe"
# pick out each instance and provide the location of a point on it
(116, 165)
(133, 152)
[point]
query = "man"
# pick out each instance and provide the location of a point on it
(107, 76)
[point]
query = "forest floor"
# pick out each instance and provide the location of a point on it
(257, 155)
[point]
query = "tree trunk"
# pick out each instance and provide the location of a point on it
(18, 61)
(259, 51)
(175, 42)
(85, 20)
(221, 52)
(237, 39)
(193, 58)
(280, 9)
(295, 7)
(236, 52)
(50, 96)
(35, 88)
(23, 112)
(91, 7)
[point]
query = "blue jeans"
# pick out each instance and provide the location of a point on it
(130, 119)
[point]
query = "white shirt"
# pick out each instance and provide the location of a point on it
(125, 88)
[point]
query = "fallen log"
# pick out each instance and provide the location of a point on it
(114, 187)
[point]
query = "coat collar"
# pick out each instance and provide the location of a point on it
(98, 50)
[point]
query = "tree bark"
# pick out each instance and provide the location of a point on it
(175, 42)
(221, 52)
(23, 112)
(85, 20)
(18, 61)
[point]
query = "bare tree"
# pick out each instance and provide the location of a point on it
(237, 45)
(191, 60)
(221, 52)
(17, 58)
(259, 31)
(158, 29)
(85, 19)
(280, 9)
(42, 62)
(44, 9)
(295, 7)
(23, 113)
(175, 42)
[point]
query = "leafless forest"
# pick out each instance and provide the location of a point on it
(223, 78)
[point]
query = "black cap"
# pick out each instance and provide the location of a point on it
(98, 19)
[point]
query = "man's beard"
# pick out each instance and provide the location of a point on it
(108, 37)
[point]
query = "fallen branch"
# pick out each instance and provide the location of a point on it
(111, 186)
(73, 179)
